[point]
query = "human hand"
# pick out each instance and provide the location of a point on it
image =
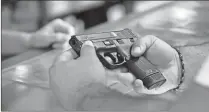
(55, 33)
(69, 75)
(159, 54)
(78, 24)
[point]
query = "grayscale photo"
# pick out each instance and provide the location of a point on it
(119, 55)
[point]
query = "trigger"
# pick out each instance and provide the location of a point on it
(108, 59)
(111, 57)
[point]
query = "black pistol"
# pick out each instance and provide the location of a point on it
(117, 45)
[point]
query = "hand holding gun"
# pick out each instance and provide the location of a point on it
(117, 46)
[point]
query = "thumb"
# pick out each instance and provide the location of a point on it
(88, 49)
(142, 44)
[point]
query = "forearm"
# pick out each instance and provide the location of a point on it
(14, 42)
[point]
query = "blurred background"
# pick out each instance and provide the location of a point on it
(31, 15)
(172, 21)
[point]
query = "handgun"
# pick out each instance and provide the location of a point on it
(117, 46)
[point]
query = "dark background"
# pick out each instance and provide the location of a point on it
(14, 13)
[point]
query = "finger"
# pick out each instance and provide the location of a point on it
(142, 44)
(57, 46)
(79, 26)
(120, 69)
(58, 40)
(66, 46)
(42, 40)
(66, 56)
(126, 78)
(70, 19)
(138, 86)
(60, 37)
(63, 27)
(88, 50)
(53, 38)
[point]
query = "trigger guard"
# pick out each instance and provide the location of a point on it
(107, 64)
(111, 56)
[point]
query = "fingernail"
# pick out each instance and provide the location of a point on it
(136, 50)
(89, 43)
(137, 83)
(72, 31)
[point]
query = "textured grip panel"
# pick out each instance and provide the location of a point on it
(142, 69)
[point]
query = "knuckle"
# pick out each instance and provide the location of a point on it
(151, 36)
(57, 21)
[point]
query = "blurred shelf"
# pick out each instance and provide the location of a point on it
(59, 8)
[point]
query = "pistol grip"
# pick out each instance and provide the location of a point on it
(142, 69)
